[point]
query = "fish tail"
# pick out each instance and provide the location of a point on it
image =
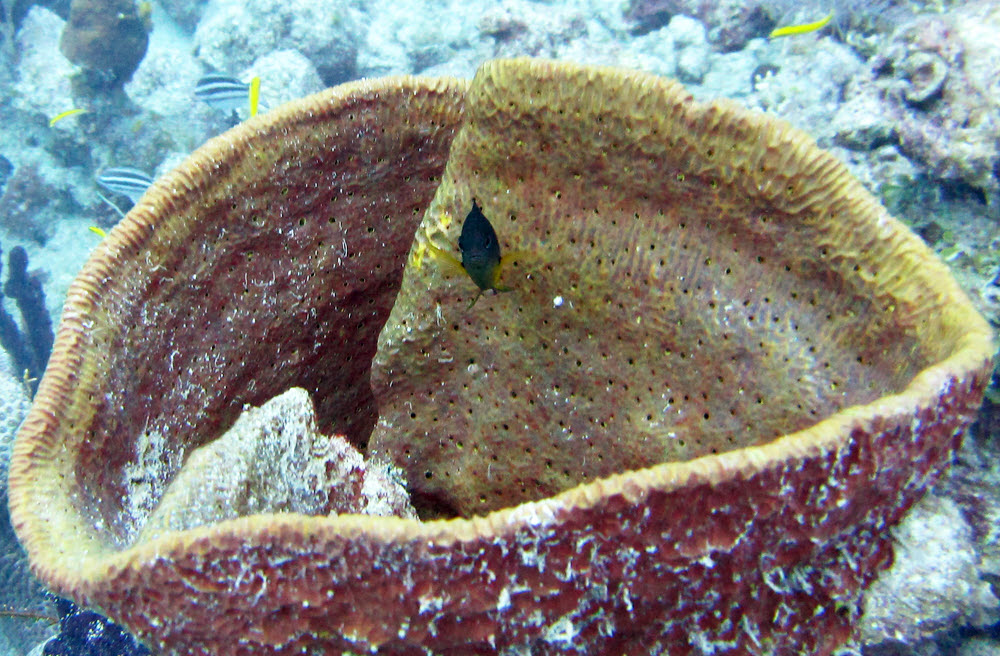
(254, 95)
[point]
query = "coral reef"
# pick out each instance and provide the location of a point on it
(931, 91)
(791, 85)
(14, 402)
(526, 29)
(43, 73)
(737, 417)
(654, 52)
(28, 203)
(956, 137)
(17, 10)
(164, 82)
(239, 31)
(108, 38)
(285, 75)
(731, 22)
(187, 13)
(6, 168)
(419, 41)
(692, 48)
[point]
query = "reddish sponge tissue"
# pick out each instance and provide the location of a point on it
(284, 281)
(630, 575)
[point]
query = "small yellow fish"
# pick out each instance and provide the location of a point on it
(254, 95)
(98, 231)
(792, 30)
(61, 115)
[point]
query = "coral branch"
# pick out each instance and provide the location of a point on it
(31, 348)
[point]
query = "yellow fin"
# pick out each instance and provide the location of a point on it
(447, 262)
(514, 256)
(61, 115)
(804, 28)
(254, 95)
(506, 261)
(98, 231)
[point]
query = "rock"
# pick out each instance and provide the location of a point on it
(186, 13)
(934, 583)
(527, 28)
(980, 646)
(860, 123)
(284, 75)
(43, 73)
(655, 52)
(692, 48)
(926, 73)
(164, 82)
(274, 460)
(809, 81)
(238, 32)
(730, 23)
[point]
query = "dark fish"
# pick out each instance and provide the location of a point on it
(480, 252)
(125, 181)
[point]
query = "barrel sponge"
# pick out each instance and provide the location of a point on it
(723, 374)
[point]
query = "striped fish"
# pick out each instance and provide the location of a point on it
(125, 181)
(222, 92)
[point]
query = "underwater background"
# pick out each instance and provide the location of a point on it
(99, 97)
